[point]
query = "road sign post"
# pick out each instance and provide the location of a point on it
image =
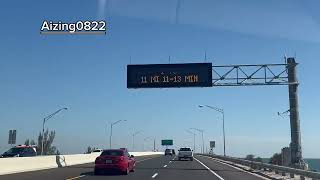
(295, 145)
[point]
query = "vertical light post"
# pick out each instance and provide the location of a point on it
(144, 141)
(194, 139)
(201, 131)
(133, 136)
(223, 129)
(111, 127)
(43, 124)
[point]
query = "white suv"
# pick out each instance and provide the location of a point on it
(185, 153)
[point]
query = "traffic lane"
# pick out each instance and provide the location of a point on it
(60, 173)
(226, 171)
(145, 169)
(184, 170)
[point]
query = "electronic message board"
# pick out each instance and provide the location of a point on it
(169, 75)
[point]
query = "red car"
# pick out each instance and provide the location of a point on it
(114, 160)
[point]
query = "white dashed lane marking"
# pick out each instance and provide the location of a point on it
(156, 174)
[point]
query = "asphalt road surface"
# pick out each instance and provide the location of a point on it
(147, 167)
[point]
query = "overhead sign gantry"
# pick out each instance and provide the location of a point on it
(200, 75)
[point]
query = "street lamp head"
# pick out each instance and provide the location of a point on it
(190, 132)
(201, 106)
(199, 130)
(65, 108)
(137, 132)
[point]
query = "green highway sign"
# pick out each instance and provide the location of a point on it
(167, 142)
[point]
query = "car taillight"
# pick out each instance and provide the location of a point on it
(98, 160)
(121, 158)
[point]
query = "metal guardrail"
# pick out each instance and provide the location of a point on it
(260, 165)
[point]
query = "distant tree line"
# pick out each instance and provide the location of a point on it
(276, 159)
(48, 148)
(252, 157)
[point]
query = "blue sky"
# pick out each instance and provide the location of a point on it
(40, 74)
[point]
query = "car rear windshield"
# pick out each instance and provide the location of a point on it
(168, 150)
(15, 151)
(185, 149)
(112, 153)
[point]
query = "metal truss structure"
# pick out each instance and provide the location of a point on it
(268, 74)
(251, 75)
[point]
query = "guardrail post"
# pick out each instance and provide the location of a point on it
(302, 177)
(291, 175)
(276, 171)
(265, 169)
(283, 173)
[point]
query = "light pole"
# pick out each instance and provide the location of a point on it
(222, 112)
(111, 126)
(144, 141)
(133, 135)
(201, 131)
(43, 123)
(194, 139)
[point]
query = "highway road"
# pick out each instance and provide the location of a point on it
(148, 167)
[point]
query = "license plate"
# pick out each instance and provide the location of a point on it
(108, 161)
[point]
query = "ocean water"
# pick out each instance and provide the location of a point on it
(314, 164)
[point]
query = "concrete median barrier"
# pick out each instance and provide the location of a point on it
(24, 164)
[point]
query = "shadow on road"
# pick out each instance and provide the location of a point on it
(180, 160)
(91, 173)
(79, 167)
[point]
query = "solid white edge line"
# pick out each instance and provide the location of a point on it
(165, 165)
(156, 174)
(220, 161)
(209, 169)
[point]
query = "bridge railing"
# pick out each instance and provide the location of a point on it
(270, 167)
